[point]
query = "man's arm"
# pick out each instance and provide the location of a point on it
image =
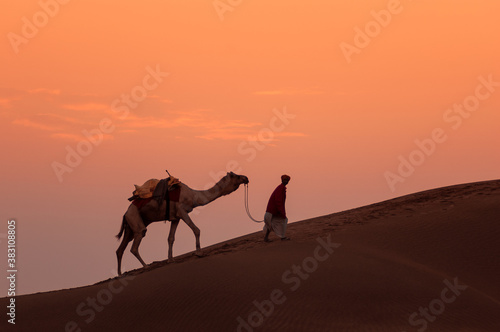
(280, 201)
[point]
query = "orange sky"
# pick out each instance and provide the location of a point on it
(349, 118)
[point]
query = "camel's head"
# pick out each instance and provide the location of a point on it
(232, 181)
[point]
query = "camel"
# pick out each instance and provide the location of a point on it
(135, 221)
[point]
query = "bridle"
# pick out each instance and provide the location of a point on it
(246, 205)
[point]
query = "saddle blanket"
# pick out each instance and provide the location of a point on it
(140, 202)
(147, 189)
(173, 195)
(153, 187)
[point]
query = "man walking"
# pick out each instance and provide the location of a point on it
(275, 218)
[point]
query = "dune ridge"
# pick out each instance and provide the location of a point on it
(422, 262)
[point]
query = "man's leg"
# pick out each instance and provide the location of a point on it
(267, 227)
(284, 224)
(266, 237)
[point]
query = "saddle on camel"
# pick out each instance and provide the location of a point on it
(165, 189)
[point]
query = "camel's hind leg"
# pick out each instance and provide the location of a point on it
(127, 237)
(135, 246)
(138, 229)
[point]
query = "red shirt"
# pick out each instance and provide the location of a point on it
(276, 204)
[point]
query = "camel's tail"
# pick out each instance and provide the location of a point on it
(122, 229)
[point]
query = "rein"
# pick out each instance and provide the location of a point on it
(246, 204)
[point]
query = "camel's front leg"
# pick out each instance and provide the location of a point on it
(196, 230)
(171, 239)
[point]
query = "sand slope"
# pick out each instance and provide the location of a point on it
(408, 256)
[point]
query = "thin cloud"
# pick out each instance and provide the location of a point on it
(199, 119)
(223, 135)
(292, 134)
(86, 107)
(6, 103)
(67, 119)
(67, 136)
(134, 122)
(55, 117)
(160, 99)
(241, 124)
(31, 124)
(45, 91)
(250, 136)
(204, 122)
(289, 91)
(78, 138)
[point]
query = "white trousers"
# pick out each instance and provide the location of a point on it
(276, 224)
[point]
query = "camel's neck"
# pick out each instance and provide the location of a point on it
(203, 197)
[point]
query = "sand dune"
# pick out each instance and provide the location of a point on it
(423, 262)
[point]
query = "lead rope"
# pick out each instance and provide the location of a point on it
(246, 204)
